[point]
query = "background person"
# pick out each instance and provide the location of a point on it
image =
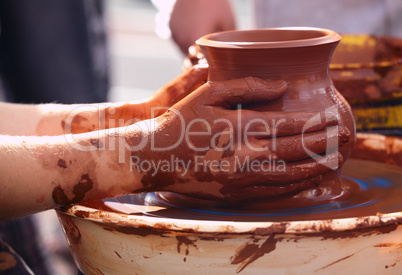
(191, 19)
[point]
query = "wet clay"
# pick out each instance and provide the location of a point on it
(292, 96)
(216, 165)
(380, 148)
(248, 253)
(84, 185)
(283, 74)
(367, 189)
(300, 58)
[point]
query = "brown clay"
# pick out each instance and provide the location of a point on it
(197, 175)
(379, 148)
(300, 57)
(276, 158)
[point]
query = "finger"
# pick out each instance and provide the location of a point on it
(228, 94)
(260, 192)
(278, 173)
(304, 146)
(181, 86)
(277, 124)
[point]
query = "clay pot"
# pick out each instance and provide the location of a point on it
(367, 71)
(300, 56)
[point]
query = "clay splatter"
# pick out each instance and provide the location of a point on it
(187, 242)
(248, 253)
(62, 163)
(340, 260)
(84, 185)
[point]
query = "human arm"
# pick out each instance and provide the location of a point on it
(58, 119)
(40, 173)
(191, 19)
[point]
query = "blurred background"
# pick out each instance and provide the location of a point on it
(141, 61)
(142, 56)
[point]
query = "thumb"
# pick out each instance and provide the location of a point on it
(247, 90)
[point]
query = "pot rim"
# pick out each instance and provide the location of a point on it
(309, 36)
(230, 227)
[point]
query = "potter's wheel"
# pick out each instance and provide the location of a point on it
(371, 188)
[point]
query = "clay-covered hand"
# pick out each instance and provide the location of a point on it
(209, 145)
(177, 89)
(110, 115)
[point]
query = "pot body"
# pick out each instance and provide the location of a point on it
(300, 57)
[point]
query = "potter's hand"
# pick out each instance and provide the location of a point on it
(85, 118)
(206, 146)
(178, 88)
(165, 97)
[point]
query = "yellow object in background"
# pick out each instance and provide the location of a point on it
(367, 71)
(379, 117)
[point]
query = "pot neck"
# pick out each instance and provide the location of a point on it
(290, 64)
